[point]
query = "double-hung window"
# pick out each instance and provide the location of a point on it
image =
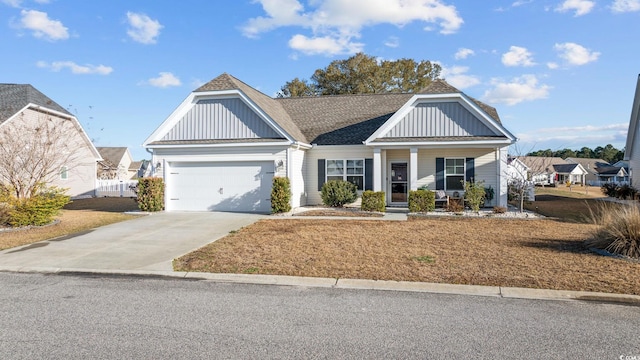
(64, 173)
(454, 174)
(347, 170)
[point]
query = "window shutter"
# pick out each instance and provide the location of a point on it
(439, 173)
(368, 174)
(471, 171)
(321, 173)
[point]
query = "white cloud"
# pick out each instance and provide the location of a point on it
(581, 135)
(166, 79)
(324, 45)
(523, 88)
(463, 53)
(581, 7)
(457, 76)
(12, 3)
(575, 54)
(622, 6)
(43, 27)
(552, 65)
(75, 68)
(142, 28)
(521, 2)
(392, 42)
(517, 56)
(342, 21)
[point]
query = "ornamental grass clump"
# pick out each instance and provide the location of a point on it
(618, 229)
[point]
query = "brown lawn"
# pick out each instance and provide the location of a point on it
(517, 253)
(80, 215)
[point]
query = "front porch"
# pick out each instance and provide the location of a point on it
(396, 171)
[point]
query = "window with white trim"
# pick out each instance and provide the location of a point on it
(64, 173)
(454, 174)
(351, 170)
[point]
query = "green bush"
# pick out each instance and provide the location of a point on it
(336, 193)
(422, 201)
(474, 194)
(373, 201)
(625, 192)
(150, 194)
(39, 209)
(280, 195)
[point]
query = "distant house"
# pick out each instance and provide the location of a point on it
(632, 148)
(612, 174)
(116, 164)
(591, 166)
(23, 107)
(553, 170)
(222, 146)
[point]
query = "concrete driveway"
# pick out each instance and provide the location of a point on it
(146, 243)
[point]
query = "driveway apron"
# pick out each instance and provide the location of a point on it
(146, 243)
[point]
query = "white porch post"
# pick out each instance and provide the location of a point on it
(377, 170)
(413, 169)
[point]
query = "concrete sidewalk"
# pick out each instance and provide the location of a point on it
(146, 243)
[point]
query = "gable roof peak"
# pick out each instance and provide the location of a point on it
(14, 97)
(439, 86)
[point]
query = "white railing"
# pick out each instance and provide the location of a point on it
(601, 182)
(115, 188)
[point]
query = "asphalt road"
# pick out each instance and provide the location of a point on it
(80, 317)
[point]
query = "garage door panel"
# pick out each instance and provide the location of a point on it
(220, 186)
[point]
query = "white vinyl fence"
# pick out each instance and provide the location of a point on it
(115, 188)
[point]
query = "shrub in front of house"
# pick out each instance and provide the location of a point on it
(609, 189)
(280, 195)
(474, 194)
(625, 192)
(150, 194)
(336, 193)
(373, 201)
(422, 200)
(618, 230)
(39, 209)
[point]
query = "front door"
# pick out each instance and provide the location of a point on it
(399, 182)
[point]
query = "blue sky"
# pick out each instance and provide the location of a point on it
(561, 73)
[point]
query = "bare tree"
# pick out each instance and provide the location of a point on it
(37, 147)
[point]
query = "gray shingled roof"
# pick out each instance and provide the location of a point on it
(608, 170)
(112, 154)
(332, 119)
(342, 119)
(266, 103)
(564, 168)
(14, 97)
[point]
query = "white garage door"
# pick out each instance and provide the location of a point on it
(220, 186)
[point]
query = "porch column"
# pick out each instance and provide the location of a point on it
(377, 170)
(413, 169)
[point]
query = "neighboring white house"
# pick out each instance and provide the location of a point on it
(117, 164)
(632, 148)
(221, 147)
(517, 171)
(22, 106)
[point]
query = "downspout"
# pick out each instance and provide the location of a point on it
(153, 166)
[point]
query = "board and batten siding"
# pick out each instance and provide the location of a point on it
(634, 161)
(221, 119)
(330, 152)
(297, 163)
(439, 119)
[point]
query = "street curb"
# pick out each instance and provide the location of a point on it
(353, 284)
